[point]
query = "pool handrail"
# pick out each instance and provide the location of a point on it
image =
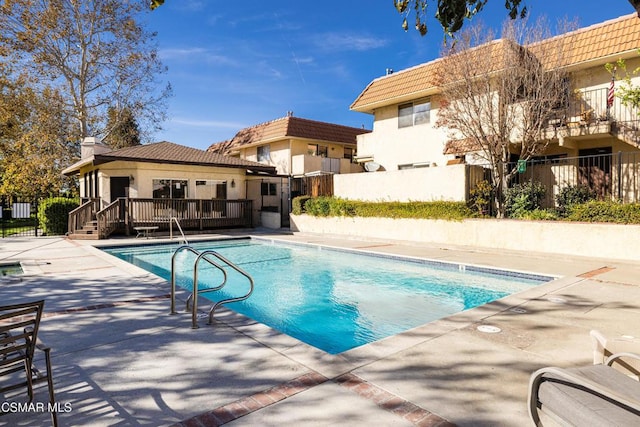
(194, 295)
(171, 221)
(223, 301)
(173, 275)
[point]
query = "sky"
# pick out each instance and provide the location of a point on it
(234, 64)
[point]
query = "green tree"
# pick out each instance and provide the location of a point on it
(628, 93)
(451, 14)
(34, 144)
(95, 54)
(122, 129)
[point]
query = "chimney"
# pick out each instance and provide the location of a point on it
(91, 146)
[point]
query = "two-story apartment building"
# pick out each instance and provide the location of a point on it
(593, 139)
(297, 148)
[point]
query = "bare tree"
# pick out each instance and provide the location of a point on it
(94, 52)
(497, 96)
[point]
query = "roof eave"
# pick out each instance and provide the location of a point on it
(107, 159)
(75, 168)
(371, 107)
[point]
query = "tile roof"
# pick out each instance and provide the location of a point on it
(289, 127)
(168, 152)
(461, 146)
(603, 42)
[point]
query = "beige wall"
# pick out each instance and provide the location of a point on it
(290, 156)
(576, 239)
(143, 175)
(392, 146)
(420, 184)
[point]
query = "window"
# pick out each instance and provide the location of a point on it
(348, 153)
(413, 114)
(170, 188)
(264, 153)
(211, 189)
(317, 150)
(268, 189)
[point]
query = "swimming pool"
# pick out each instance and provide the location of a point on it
(333, 300)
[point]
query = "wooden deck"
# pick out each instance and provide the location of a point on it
(126, 214)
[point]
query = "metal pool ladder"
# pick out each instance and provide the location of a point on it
(193, 298)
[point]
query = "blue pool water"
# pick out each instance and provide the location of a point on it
(332, 300)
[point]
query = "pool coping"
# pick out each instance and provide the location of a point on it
(335, 365)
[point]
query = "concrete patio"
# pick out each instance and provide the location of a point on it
(120, 359)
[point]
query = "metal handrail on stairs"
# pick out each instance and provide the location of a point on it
(171, 221)
(194, 295)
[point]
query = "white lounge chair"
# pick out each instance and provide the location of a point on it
(595, 395)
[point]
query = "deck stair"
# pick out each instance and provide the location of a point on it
(89, 231)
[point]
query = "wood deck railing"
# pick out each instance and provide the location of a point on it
(193, 214)
(111, 219)
(83, 214)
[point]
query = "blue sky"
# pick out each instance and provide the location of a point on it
(236, 64)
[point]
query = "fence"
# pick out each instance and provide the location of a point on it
(315, 186)
(610, 176)
(19, 217)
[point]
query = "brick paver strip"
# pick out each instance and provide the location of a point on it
(596, 272)
(390, 402)
(247, 405)
(385, 400)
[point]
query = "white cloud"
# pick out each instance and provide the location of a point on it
(214, 124)
(198, 54)
(348, 42)
(191, 5)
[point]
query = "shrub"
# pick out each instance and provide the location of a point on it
(572, 195)
(480, 197)
(318, 206)
(298, 204)
(523, 198)
(605, 211)
(541, 215)
(330, 206)
(53, 214)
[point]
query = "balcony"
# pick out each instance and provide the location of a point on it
(304, 164)
(587, 116)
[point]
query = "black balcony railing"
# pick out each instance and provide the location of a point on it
(590, 106)
(611, 176)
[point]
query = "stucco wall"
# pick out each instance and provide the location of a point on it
(143, 175)
(422, 184)
(392, 146)
(577, 239)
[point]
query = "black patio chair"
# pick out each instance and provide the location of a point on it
(19, 325)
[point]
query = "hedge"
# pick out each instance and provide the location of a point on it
(591, 211)
(598, 211)
(332, 206)
(53, 214)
